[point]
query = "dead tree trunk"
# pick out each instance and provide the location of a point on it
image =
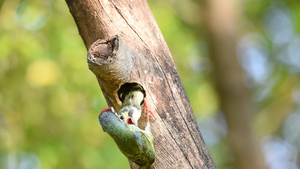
(140, 54)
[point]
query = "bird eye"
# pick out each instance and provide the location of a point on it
(122, 117)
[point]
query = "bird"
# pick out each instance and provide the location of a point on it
(136, 144)
(133, 96)
(131, 108)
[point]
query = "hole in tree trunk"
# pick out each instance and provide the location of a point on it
(127, 87)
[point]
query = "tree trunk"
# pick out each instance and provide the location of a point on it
(140, 54)
(221, 27)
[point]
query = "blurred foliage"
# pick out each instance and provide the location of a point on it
(48, 111)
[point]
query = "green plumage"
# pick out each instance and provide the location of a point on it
(134, 143)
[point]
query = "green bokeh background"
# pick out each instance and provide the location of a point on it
(49, 100)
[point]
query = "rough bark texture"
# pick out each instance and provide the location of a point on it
(221, 26)
(177, 139)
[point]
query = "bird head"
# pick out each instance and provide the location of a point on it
(129, 115)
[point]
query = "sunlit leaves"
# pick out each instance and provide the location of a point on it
(42, 73)
(32, 15)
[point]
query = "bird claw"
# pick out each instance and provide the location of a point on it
(148, 111)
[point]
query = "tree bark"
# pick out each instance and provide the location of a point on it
(144, 59)
(221, 21)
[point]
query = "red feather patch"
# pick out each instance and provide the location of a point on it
(109, 108)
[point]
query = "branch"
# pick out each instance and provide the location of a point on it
(111, 61)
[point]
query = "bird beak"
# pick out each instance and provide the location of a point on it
(131, 121)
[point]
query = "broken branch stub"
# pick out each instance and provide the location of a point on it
(111, 61)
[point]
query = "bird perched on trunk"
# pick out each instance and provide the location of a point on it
(134, 143)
